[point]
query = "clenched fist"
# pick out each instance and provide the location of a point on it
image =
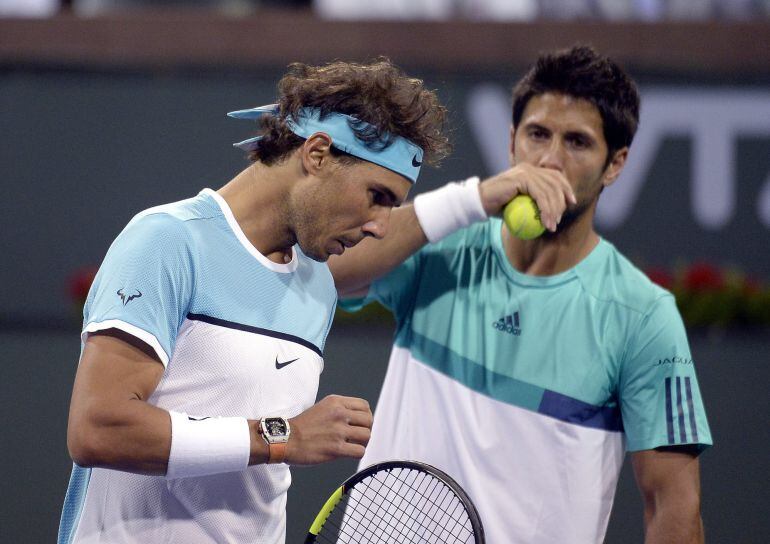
(334, 427)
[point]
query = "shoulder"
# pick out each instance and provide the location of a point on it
(607, 275)
(198, 207)
(170, 224)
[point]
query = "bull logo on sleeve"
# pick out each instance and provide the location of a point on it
(126, 298)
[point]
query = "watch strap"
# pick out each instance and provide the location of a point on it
(277, 452)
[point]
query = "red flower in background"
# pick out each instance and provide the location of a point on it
(702, 277)
(80, 282)
(661, 276)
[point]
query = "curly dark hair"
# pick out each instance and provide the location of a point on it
(581, 72)
(377, 92)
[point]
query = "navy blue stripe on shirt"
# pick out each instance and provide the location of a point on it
(690, 409)
(669, 412)
(572, 410)
(680, 410)
(255, 330)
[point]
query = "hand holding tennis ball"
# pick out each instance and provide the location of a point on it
(522, 217)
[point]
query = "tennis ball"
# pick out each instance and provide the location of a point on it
(522, 216)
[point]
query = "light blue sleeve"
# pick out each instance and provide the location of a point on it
(145, 283)
(659, 395)
(396, 290)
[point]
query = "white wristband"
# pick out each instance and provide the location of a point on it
(207, 445)
(452, 207)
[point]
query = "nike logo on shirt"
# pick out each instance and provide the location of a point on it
(279, 366)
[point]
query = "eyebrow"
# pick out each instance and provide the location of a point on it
(580, 133)
(569, 133)
(533, 124)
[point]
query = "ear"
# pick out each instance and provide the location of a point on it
(512, 147)
(615, 167)
(315, 153)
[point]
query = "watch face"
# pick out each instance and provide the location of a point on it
(275, 426)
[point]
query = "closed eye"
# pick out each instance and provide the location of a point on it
(381, 197)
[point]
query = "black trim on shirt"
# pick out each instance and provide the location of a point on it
(255, 330)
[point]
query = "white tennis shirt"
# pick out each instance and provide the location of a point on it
(224, 320)
(528, 390)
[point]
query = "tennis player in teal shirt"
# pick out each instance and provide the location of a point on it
(526, 369)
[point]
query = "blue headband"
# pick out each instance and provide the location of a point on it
(401, 156)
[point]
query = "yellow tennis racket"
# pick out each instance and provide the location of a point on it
(398, 502)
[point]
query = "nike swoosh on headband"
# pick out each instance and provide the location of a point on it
(400, 155)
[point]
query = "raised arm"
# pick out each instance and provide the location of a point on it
(670, 485)
(359, 266)
(112, 425)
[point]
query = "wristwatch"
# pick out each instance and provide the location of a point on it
(275, 431)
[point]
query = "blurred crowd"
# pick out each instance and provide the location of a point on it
(531, 10)
(433, 10)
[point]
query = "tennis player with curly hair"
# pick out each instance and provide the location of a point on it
(204, 330)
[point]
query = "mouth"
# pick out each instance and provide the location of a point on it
(338, 248)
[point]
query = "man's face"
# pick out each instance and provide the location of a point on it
(566, 134)
(339, 210)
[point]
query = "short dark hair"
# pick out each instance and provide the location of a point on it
(580, 72)
(376, 92)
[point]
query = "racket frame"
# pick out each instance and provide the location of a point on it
(350, 483)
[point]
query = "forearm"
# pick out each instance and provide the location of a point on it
(128, 435)
(674, 525)
(670, 485)
(443, 211)
(359, 266)
(134, 436)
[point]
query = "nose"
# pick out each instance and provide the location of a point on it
(553, 156)
(377, 226)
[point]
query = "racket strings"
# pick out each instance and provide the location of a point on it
(439, 496)
(401, 505)
(407, 516)
(373, 527)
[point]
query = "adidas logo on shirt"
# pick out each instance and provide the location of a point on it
(509, 324)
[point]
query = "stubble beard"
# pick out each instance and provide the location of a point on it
(303, 237)
(303, 226)
(568, 219)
